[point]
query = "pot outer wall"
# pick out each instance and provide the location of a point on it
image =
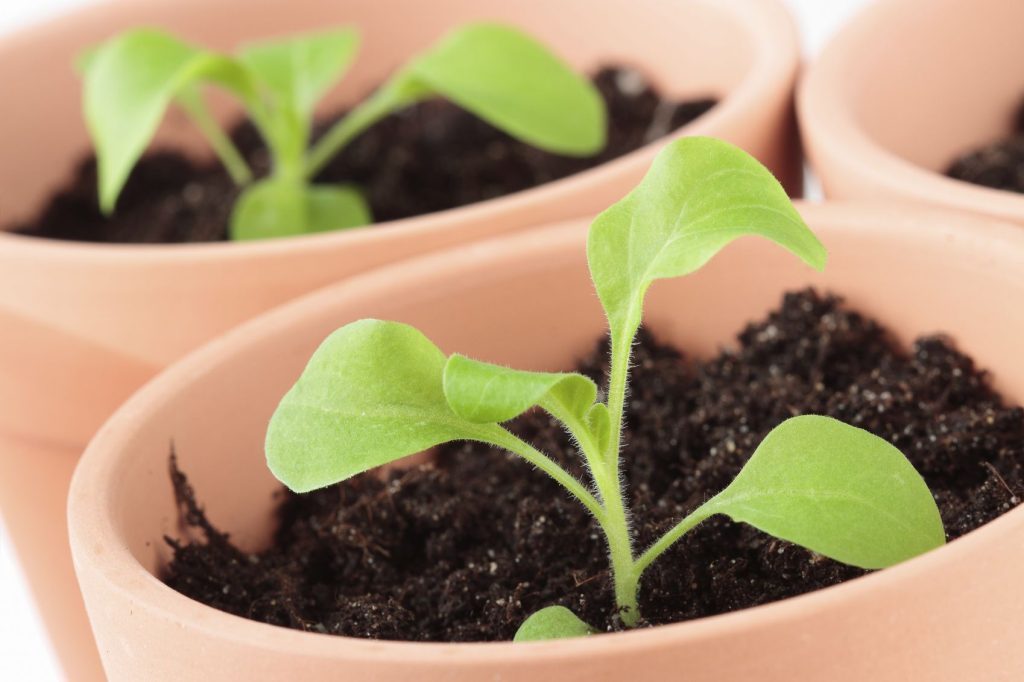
(85, 325)
(526, 301)
(907, 87)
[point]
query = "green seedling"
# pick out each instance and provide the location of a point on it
(494, 71)
(377, 391)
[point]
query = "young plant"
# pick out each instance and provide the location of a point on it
(491, 70)
(378, 391)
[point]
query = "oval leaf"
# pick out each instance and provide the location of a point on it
(699, 195)
(268, 208)
(129, 83)
(276, 208)
(552, 622)
(515, 83)
(837, 490)
(482, 392)
(299, 70)
(370, 394)
(335, 207)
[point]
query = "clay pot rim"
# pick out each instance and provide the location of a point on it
(776, 56)
(980, 239)
(826, 116)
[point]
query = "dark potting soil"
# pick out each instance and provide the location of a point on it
(467, 548)
(429, 157)
(999, 165)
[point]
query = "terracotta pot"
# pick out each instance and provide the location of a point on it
(527, 301)
(904, 89)
(84, 325)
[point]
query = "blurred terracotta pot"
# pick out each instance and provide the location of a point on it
(904, 89)
(527, 301)
(84, 325)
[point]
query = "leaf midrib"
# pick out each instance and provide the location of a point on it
(816, 495)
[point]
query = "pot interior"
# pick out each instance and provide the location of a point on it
(530, 304)
(690, 48)
(936, 78)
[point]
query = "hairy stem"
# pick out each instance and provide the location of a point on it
(611, 511)
(610, 483)
(620, 549)
(616, 525)
(223, 147)
(677, 531)
(620, 542)
(622, 349)
(503, 439)
(391, 96)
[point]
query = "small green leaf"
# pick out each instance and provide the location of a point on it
(335, 207)
(515, 83)
(552, 622)
(837, 490)
(278, 208)
(129, 83)
(600, 425)
(370, 394)
(485, 393)
(269, 208)
(699, 195)
(299, 70)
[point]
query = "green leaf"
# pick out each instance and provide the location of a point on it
(600, 425)
(269, 208)
(699, 195)
(299, 70)
(370, 394)
(837, 490)
(484, 393)
(129, 83)
(496, 72)
(515, 83)
(279, 208)
(335, 207)
(552, 622)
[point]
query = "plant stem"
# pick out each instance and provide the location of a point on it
(400, 91)
(620, 541)
(379, 105)
(677, 531)
(223, 147)
(626, 576)
(503, 439)
(604, 468)
(622, 348)
(604, 471)
(620, 550)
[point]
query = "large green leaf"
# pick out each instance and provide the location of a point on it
(299, 70)
(515, 83)
(496, 72)
(370, 394)
(552, 622)
(837, 490)
(482, 392)
(279, 208)
(699, 195)
(129, 83)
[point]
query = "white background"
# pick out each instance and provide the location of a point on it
(25, 653)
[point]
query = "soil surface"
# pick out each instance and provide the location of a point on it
(429, 157)
(999, 165)
(466, 549)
